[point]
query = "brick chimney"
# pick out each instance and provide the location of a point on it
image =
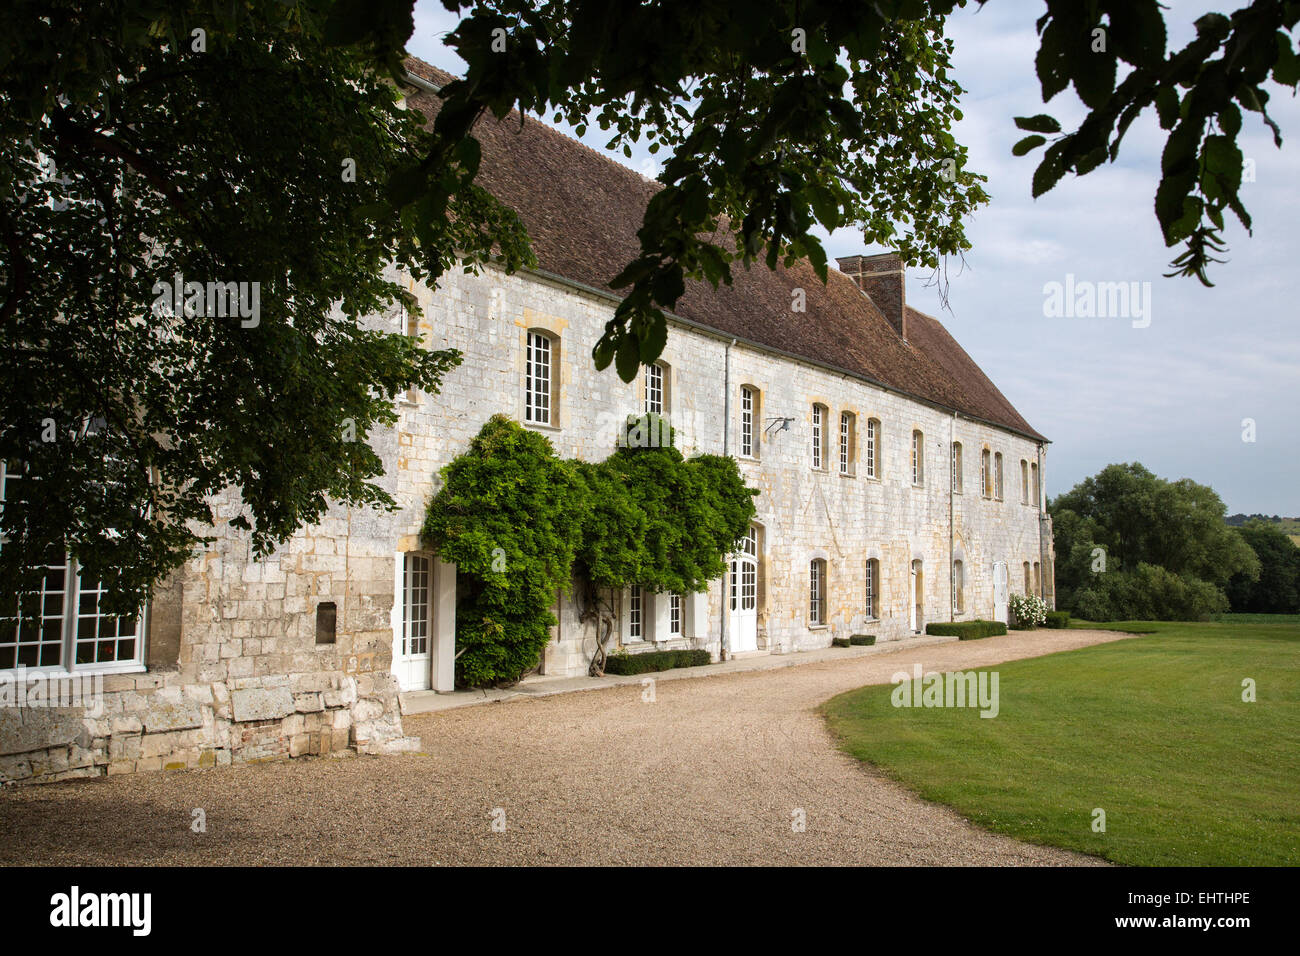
(881, 277)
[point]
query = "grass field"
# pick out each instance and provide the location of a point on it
(1152, 730)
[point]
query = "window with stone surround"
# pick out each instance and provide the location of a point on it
(918, 457)
(1034, 481)
(997, 475)
(958, 587)
(819, 437)
(872, 604)
(848, 441)
(1029, 585)
(1038, 579)
(986, 475)
(1024, 481)
(60, 625)
(656, 389)
(871, 449)
(540, 379)
(956, 467)
(749, 414)
(817, 592)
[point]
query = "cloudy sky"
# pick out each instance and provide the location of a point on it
(1173, 394)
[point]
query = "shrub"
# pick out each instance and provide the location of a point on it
(865, 640)
(1029, 610)
(839, 642)
(1150, 593)
(967, 630)
(1058, 619)
(626, 664)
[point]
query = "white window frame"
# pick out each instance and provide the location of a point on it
(818, 437)
(636, 614)
(70, 617)
(872, 596)
(956, 468)
(872, 447)
(674, 615)
(918, 457)
(846, 443)
(654, 389)
(817, 575)
(747, 443)
(539, 375)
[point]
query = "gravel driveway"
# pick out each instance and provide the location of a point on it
(714, 771)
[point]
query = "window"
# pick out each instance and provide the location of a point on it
(744, 573)
(1024, 482)
(958, 588)
(1038, 488)
(415, 611)
(997, 476)
(635, 629)
(326, 622)
(819, 436)
(847, 441)
(956, 467)
(674, 615)
(748, 414)
(1038, 579)
(538, 375)
(873, 444)
(873, 590)
(1028, 583)
(817, 592)
(918, 458)
(986, 475)
(654, 389)
(61, 624)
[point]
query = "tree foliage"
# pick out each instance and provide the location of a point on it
(1277, 589)
(520, 524)
(1130, 545)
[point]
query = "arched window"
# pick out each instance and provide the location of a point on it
(997, 476)
(871, 456)
(956, 467)
(819, 436)
(817, 591)
(958, 588)
(750, 414)
(1024, 481)
(986, 475)
(1029, 587)
(1038, 488)
(872, 606)
(918, 458)
(848, 441)
(540, 378)
(1038, 579)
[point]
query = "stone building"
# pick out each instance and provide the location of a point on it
(898, 486)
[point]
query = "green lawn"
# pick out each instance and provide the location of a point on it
(1153, 730)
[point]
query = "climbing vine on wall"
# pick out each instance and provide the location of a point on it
(520, 524)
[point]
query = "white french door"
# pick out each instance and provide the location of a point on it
(742, 596)
(411, 638)
(1001, 594)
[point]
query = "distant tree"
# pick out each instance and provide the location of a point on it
(1131, 544)
(1277, 589)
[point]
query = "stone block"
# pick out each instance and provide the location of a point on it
(261, 703)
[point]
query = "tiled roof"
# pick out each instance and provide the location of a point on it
(582, 211)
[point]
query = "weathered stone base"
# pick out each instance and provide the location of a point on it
(155, 722)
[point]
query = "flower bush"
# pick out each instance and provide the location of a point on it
(1030, 611)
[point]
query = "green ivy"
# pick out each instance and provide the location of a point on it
(520, 523)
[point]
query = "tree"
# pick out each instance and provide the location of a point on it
(131, 157)
(1132, 545)
(1277, 589)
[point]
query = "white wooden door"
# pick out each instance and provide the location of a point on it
(412, 638)
(742, 599)
(1001, 595)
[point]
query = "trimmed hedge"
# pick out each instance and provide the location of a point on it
(863, 640)
(625, 664)
(1057, 619)
(967, 630)
(839, 642)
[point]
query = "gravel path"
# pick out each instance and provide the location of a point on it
(712, 772)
